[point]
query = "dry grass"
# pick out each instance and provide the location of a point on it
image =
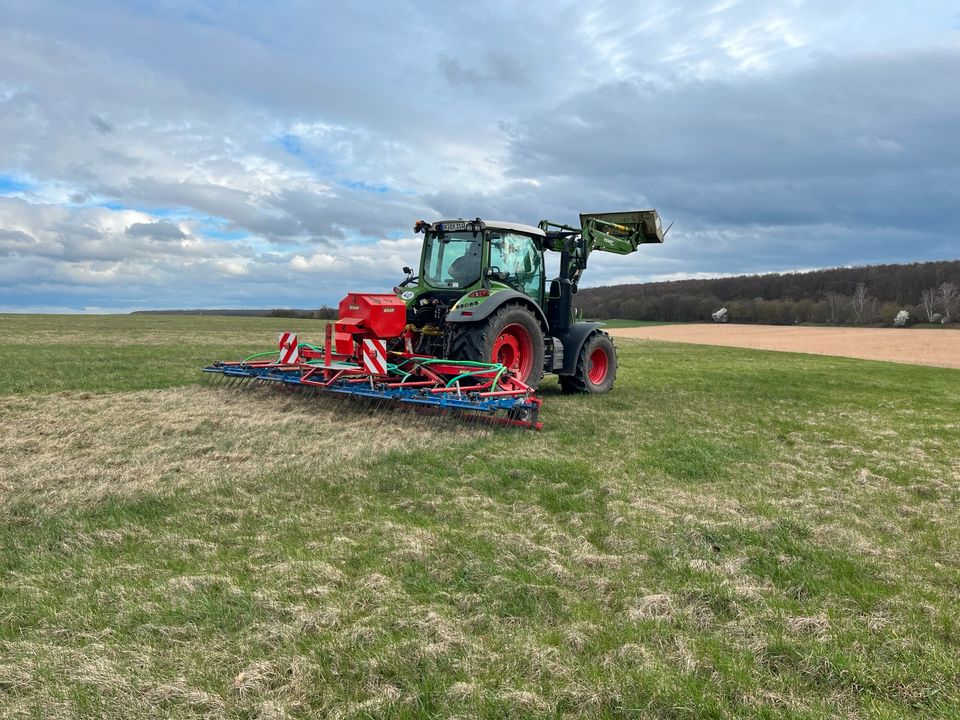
(73, 449)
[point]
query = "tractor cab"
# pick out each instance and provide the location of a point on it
(468, 269)
(464, 264)
(458, 255)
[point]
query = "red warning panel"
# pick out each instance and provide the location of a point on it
(289, 352)
(374, 356)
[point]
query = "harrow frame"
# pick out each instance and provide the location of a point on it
(487, 389)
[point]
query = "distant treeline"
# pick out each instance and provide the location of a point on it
(929, 292)
(324, 313)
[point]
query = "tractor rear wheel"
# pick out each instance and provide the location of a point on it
(511, 336)
(596, 367)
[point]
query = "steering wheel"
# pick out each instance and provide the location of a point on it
(509, 280)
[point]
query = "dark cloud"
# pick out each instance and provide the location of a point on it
(837, 117)
(844, 161)
(16, 241)
(101, 125)
(15, 235)
(495, 69)
(156, 230)
(334, 216)
(73, 229)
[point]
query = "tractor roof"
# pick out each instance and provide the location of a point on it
(498, 225)
(518, 227)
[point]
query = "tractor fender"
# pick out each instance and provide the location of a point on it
(573, 341)
(494, 303)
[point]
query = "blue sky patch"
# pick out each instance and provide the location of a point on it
(10, 185)
(366, 187)
(218, 233)
(180, 213)
(219, 228)
(291, 143)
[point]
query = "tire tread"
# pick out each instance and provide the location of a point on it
(470, 341)
(577, 383)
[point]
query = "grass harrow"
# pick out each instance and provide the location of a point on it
(371, 372)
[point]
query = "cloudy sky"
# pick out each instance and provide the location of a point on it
(162, 154)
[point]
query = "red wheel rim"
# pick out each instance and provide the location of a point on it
(598, 365)
(514, 348)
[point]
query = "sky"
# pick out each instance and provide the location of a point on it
(164, 154)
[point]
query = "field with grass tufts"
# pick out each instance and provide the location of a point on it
(729, 533)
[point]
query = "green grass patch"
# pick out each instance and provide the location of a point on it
(617, 323)
(729, 533)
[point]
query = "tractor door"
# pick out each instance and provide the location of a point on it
(520, 258)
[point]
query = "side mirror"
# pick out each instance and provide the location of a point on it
(407, 271)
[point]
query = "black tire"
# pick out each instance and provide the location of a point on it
(475, 341)
(581, 381)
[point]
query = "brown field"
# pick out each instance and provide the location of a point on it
(940, 348)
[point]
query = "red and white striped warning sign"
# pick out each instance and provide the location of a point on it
(289, 352)
(374, 356)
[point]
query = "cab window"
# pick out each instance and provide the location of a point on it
(452, 260)
(519, 257)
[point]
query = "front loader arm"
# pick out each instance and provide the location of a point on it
(620, 233)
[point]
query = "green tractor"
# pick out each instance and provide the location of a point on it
(481, 295)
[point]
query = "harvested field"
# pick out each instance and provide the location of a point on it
(938, 348)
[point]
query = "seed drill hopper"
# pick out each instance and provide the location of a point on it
(471, 334)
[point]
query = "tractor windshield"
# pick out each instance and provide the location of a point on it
(452, 260)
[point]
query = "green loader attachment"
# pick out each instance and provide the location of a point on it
(616, 232)
(621, 232)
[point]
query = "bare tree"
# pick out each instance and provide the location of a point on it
(928, 298)
(949, 296)
(834, 301)
(858, 300)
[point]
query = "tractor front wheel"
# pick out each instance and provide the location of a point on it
(596, 367)
(511, 336)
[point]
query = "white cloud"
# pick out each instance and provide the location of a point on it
(250, 163)
(234, 267)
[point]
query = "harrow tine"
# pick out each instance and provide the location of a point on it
(444, 393)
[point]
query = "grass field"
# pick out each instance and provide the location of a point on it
(730, 533)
